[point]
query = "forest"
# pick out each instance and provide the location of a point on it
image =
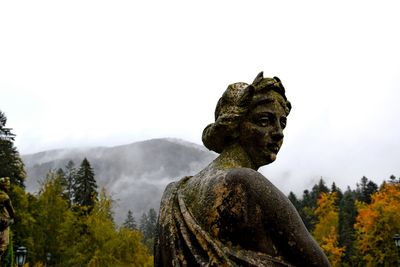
(69, 222)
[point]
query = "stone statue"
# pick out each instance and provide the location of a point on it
(6, 214)
(229, 214)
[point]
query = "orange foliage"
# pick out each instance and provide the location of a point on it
(376, 225)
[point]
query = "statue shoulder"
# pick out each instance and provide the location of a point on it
(238, 174)
(244, 172)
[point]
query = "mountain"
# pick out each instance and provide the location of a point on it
(135, 174)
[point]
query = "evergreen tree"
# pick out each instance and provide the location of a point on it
(347, 218)
(85, 187)
(70, 177)
(152, 223)
(339, 194)
(130, 222)
(143, 225)
(147, 226)
(11, 164)
(392, 179)
(317, 190)
(365, 189)
(5, 133)
(306, 210)
(296, 203)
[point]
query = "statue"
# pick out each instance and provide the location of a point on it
(6, 214)
(229, 214)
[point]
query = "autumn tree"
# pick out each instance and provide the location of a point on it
(326, 228)
(376, 225)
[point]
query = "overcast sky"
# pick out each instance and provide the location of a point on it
(95, 73)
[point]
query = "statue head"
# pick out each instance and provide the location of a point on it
(4, 183)
(250, 115)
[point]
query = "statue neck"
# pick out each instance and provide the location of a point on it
(234, 156)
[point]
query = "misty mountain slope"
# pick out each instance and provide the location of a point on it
(135, 174)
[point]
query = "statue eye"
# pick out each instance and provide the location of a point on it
(264, 120)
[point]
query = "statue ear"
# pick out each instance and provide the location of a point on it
(259, 78)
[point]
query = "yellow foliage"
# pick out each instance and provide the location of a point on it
(376, 225)
(326, 230)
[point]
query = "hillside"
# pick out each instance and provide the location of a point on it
(135, 174)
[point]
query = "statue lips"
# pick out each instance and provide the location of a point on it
(273, 147)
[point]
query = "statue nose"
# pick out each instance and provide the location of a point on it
(277, 135)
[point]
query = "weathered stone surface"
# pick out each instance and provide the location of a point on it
(229, 214)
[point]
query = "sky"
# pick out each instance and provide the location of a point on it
(105, 73)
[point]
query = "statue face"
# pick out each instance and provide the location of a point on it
(261, 131)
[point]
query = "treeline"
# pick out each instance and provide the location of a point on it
(354, 227)
(75, 223)
(69, 222)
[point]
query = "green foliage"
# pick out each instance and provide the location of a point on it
(308, 204)
(365, 189)
(11, 164)
(7, 259)
(347, 218)
(24, 220)
(49, 213)
(76, 237)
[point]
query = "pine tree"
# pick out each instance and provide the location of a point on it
(296, 203)
(11, 164)
(339, 194)
(347, 218)
(152, 223)
(365, 189)
(130, 222)
(147, 226)
(85, 187)
(143, 225)
(70, 177)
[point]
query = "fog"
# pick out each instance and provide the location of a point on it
(90, 73)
